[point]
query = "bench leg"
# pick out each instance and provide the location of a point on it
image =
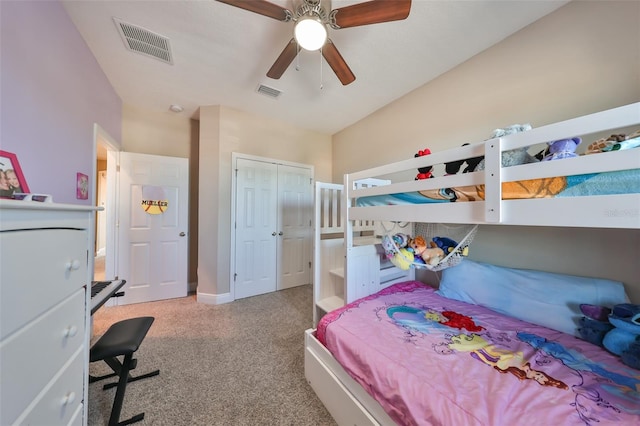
(116, 366)
(114, 420)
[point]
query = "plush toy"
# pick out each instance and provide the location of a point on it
(617, 330)
(423, 172)
(448, 245)
(563, 148)
(388, 246)
(624, 338)
(403, 259)
(397, 250)
(432, 255)
(417, 245)
(454, 166)
(605, 144)
(512, 157)
(401, 240)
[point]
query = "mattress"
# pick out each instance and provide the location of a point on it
(605, 183)
(429, 360)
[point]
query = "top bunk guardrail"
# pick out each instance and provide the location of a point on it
(548, 193)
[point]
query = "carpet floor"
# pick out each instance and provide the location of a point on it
(240, 363)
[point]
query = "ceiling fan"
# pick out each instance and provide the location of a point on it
(312, 18)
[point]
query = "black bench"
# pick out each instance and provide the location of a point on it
(121, 339)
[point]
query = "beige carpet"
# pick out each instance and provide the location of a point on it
(240, 363)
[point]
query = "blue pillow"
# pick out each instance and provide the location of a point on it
(543, 298)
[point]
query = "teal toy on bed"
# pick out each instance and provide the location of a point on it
(617, 330)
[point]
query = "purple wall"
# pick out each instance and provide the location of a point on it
(52, 91)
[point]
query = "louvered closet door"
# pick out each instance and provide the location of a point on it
(256, 227)
(295, 206)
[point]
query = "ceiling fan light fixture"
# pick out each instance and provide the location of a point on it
(310, 33)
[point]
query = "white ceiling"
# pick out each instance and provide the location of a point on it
(222, 54)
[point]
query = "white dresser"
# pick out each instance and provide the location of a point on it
(46, 266)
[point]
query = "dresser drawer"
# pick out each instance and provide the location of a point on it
(31, 357)
(38, 268)
(59, 402)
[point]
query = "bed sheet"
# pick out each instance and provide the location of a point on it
(605, 183)
(429, 360)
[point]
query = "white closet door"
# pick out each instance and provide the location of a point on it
(256, 227)
(295, 206)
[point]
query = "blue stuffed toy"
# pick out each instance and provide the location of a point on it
(563, 148)
(617, 330)
(448, 245)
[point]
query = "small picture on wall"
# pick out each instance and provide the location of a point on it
(82, 186)
(12, 180)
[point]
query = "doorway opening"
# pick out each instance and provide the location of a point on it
(106, 150)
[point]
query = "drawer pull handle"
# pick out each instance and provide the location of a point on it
(68, 398)
(74, 265)
(70, 331)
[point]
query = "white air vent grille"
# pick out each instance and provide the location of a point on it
(143, 41)
(269, 91)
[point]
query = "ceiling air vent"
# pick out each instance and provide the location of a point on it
(143, 41)
(269, 91)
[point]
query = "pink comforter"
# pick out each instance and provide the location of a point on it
(429, 360)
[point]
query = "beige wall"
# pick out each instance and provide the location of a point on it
(223, 131)
(158, 133)
(583, 58)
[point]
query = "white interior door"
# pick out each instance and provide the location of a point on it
(295, 207)
(152, 227)
(255, 227)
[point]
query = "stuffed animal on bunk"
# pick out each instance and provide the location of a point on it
(396, 248)
(430, 255)
(617, 330)
(563, 148)
(423, 172)
(513, 157)
(448, 245)
(453, 167)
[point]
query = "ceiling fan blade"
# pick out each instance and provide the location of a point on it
(262, 7)
(284, 60)
(337, 63)
(370, 12)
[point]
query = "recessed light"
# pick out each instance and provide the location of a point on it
(176, 108)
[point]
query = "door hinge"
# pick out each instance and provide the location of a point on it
(309, 265)
(234, 277)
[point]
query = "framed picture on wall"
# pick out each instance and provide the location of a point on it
(11, 178)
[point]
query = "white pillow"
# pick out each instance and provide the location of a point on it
(543, 298)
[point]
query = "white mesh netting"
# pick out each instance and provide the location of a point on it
(433, 246)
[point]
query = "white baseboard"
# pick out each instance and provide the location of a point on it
(213, 299)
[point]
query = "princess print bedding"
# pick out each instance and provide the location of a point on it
(430, 360)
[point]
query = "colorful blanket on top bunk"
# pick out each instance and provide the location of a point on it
(428, 359)
(606, 183)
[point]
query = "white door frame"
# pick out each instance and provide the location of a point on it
(232, 246)
(102, 137)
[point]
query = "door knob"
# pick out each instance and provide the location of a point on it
(273, 233)
(280, 233)
(182, 234)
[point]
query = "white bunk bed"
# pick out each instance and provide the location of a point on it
(345, 399)
(329, 252)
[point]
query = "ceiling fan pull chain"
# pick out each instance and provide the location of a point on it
(321, 86)
(297, 57)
